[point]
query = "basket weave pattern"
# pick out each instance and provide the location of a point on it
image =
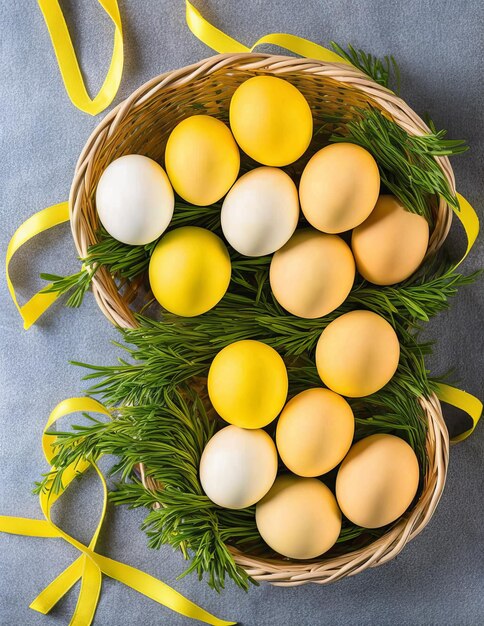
(141, 124)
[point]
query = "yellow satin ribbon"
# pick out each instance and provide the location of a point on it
(67, 59)
(469, 220)
(223, 43)
(464, 401)
(90, 565)
(36, 224)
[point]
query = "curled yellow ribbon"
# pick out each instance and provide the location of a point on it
(34, 225)
(216, 39)
(464, 401)
(90, 565)
(469, 220)
(67, 59)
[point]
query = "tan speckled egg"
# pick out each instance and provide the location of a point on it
(312, 274)
(299, 517)
(391, 243)
(357, 354)
(314, 431)
(377, 481)
(339, 187)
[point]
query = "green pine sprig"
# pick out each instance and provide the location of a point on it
(383, 71)
(122, 260)
(407, 163)
(178, 349)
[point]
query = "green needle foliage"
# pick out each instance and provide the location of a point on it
(382, 71)
(122, 260)
(164, 353)
(407, 164)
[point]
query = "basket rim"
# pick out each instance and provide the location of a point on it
(282, 572)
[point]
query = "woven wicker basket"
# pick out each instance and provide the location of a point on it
(141, 124)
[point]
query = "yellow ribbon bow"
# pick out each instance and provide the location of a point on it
(90, 565)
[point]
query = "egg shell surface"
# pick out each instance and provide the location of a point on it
(202, 159)
(391, 243)
(248, 383)
(312, 274)
(299, 517)
(357, 354)
(314, 432)
(260, 212)
(339, 187)
(377, 480)
(134, 199)
(189, 271)
(271, 120)
(238, 467)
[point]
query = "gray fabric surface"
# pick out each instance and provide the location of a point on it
(439, 578)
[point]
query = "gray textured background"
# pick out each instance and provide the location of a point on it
(439, 578)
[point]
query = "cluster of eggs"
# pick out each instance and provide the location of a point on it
(312, 272)
(296, 513)
(312, 269)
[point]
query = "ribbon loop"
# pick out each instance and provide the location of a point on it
(34, 225)
(67, 59)
(214, 38)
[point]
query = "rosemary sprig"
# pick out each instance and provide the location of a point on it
(407, 164)
(178, 349)
(169, 438)
(122, 260)
(382, 71)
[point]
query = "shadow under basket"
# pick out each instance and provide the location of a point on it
(142, 123)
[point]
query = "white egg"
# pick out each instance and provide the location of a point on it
(238, 467)
(134, 199)
(260, 212)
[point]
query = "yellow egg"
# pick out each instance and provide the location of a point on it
(238, 467)
(299, 517)
(202, 159)
(391, 243)
(314, 432)
(377, 481)
(271, 120)
(189, 271)
(247, 384)
(312, 274)
(357, 354)
(339, 187)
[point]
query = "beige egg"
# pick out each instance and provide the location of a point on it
(391, 243)
(312, 274)
(357, 354)
(377, 481)
(299, 517)
(339, 187)
(314, 432)
(238, 467)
